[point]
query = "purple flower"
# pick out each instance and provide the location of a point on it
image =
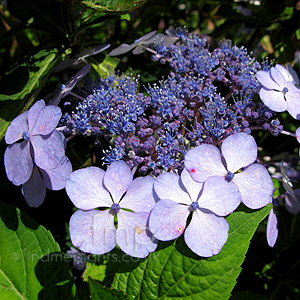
(298, 134)
(130, 200)
(41, 142)
(142, 44)
(34, 190)
(237, 151)
(272, 228)
(209, 202)
(80, 57)
(292, 202)
(67, 88)
(278, 90)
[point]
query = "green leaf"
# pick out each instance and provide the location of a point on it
(113, 5)
(104, 267)
(26, 77)
(31, 264)
(99, 292)
(18, 85)
(175, 272)
(109, 65)
(126, 17)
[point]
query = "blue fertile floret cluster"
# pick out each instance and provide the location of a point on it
(208, 95)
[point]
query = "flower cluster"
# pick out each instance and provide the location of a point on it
(35, 157)
(147, 209)
(187, 135)
(207, 96)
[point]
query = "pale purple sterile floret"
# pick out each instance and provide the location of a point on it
(94, 231)
(292, 202)
(143, 43)
(237, 151)
(40, 143)
(209, 202)
(278, 90)
(298, 134)
(272, 228)
(67, 88)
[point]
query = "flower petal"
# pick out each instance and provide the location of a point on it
(204, 161)
(86, 190)
(298, 134)
(138, 49)
(285, 72)
(273, 99)
(219, 196)
(117, 179)
(278, 77)
(122, 49)
(292, 204)
(206, 233)
(16, 128)
(168, 219)
(93, 231)
(193, 187)
(48, 150)
(168, 186)
(47, 120)
(139, 196)
(55, 179)
(272, 228)
(293, 74)
(145, 37)
(34, 112)
(133, 235)
(18, 162)
(265, 79)
(293, 100)
(239, 150)
(34, 190)
(255, 185)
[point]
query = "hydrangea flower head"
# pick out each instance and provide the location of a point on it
(40, 143)
(237, 151)
(94, 231)
(278, 90)
(210, 201)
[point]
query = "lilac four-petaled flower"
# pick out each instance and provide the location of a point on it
(278, 90)
(41, 143)
(35, 157)
(235, 162)
(116, 194)
(179, 196)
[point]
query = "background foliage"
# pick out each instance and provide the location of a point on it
(36, 36)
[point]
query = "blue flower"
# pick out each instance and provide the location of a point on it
(237, 151)
(93, 230)
(278, 90)
(209, 202)
(41, 142)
